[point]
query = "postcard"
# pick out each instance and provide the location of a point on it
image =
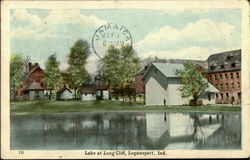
(125, 79)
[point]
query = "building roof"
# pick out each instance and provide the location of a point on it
(62, 90)
(203, 64)
(88, 89)
(225, 59)
(211, 88)
(168, 69)
(34, 86)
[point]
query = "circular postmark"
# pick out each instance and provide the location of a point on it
(110, 34)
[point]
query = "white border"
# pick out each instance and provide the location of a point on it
(5, 52)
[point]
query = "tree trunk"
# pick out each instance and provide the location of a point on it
(195, 99)
(75, 93)
(14, 98)
(50, 92)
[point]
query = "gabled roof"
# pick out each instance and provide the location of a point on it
(169, 70)
(34, 86)
(62, 90)
(33, 69)
(88, 89)
(211, 88)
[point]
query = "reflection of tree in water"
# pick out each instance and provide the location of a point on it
(197, 127)
(129, 131)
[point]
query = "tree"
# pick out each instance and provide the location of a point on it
(52, 75)
(193, 82)
(119, 67)
(16, 72)
(79, 53)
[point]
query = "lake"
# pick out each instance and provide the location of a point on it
(126, 131)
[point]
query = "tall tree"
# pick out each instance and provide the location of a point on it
(193, 82)
(79, 53)
(52, 75)
(119, 67)
(16, 72)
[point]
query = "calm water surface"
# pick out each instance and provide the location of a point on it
(126, 130)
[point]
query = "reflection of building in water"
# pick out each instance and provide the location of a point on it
(125, 131)
(228, 135)
(157, 124)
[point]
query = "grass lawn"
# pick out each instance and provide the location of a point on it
(40, 107)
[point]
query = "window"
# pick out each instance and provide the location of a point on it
(232, 84)
(222, 67)
(227, 95)
(212, 67)
(221, 76)
(210, 77)
(215, 77)
(85, 94)
(229, 57)
(232, 98)
(209, 97)
(216, 95)
(232, 75)
(238, 83)
(237, 74)
(226, 85)
(233, 64)
(221, 86)
(239, 95)
(226, 75)
(221, 95)
(93, 94)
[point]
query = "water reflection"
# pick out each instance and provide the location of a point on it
(114, 131)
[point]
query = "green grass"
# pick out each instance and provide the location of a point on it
(42, 107)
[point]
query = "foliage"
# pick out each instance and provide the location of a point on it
(193, 81)
(118, 68)
(79, 53)
(16, 71)
(52, 75)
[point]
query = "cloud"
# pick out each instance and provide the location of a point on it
(57, 24)
(21, 17)
(73, 16)
(195, 37)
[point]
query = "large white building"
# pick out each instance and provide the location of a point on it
(161, 84)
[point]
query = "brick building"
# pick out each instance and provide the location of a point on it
(224, 72)
(32, 86)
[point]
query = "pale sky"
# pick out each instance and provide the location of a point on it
(183, 34)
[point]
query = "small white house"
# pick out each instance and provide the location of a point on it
(34, 91)
(64, 94)
(161, 85)
(88, 92)
(102, 92)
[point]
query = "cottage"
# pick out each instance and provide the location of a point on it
(64, 94)
(161, 86)
(88, 92)
(34, 91)
(102, 92)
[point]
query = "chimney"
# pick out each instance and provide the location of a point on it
(30, 66)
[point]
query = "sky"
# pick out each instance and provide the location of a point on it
(170, 33)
